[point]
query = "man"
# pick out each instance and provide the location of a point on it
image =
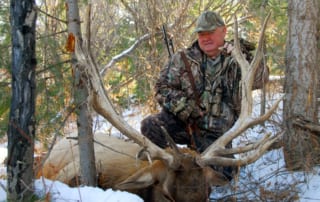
(199, 90)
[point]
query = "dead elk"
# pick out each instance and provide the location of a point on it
(172, 176)
(119, 168)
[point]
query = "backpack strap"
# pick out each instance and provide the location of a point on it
(192, 129)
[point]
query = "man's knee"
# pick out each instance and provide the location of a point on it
(149, 125)
(151, 128)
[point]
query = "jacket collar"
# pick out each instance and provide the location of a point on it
(194, 52)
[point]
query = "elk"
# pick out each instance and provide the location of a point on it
(159, 174)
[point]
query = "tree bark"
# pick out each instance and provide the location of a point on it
(263, 5)
(301, 145)
(84, 119)
(21, 129)
(318, 62)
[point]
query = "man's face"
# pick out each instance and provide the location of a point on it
(210, 41)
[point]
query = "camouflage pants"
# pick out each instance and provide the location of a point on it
(151, 128)
(178, 130)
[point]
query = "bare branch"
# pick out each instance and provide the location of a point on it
(51, 16)
(241, 20)
(69, 110)
(112, 149)
(124, 53)
(307, 124)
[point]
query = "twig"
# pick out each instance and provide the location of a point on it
(3, 187)
(307, 124)
(124, 53)
(57, 132)
(110, 148)
(51, 16)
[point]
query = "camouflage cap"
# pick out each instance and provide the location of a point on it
(209, 21)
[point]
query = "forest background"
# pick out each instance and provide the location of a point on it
(126, 40)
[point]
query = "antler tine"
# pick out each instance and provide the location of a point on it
(250, 158)
(102, 105)
(257, 58)
(212, 155)
(170, 141)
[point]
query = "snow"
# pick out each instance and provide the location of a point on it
(59, 192)
(266, 179)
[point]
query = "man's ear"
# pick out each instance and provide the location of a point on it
(225, 30)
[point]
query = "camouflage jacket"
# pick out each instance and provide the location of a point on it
(217, 82)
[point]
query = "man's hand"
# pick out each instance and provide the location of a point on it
(228, 47)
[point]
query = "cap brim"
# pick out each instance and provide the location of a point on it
(201, 29)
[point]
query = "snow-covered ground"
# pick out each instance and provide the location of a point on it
(60, 192)
(265, 180)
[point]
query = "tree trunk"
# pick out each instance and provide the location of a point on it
(84, 119)
(301, 145)
(264, 3)
(21, 129)
(318, 62)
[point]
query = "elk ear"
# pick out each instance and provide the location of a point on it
(144, 177)
(141, 179)
(215, 178)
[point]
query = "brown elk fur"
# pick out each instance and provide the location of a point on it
(120, 169)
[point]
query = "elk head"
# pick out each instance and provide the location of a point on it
(186, 182)
(173, 173)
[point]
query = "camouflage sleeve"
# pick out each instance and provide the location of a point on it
(171, 90)
(232, 91)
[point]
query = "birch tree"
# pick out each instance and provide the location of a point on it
(21, 129)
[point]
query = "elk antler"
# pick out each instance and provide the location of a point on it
(102, 105)
(212, 155)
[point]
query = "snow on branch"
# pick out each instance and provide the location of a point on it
(124, 53)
